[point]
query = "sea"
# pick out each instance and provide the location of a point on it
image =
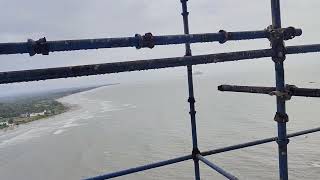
(126, 125)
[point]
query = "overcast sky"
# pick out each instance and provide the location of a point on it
(76, 19)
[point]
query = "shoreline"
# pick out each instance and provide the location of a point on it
(67, 107)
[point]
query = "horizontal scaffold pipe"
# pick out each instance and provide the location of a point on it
(42, 46)
(217, 168)
(206, 153)
(141, 168)
(258, 142)
(290, 90)
(127, 66)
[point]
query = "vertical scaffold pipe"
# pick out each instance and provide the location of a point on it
(281, 116)
(191, 99)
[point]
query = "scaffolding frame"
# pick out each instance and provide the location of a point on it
(278, 51)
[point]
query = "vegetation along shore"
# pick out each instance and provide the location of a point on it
(27, 108)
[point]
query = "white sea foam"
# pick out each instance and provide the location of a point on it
(71, 125)
(316, 164)
(86, 116)
(106, 106)
(58, 131)
(106, 152)
(60, 124)
(25, 136)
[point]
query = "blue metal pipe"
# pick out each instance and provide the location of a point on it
(137, 41)
(291, 90)
(281, 103)
(188, 53)
(206, 153)
(303, 49)
(141, 168)
(196, 169)
(217, 168)
(275, 12)
(128, 66)
(257, 142)
(191, 99)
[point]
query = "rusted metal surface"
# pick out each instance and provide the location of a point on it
(117, 67)
(141, 168)
(43, 47)
(289, 90)
(279, 55)
(191, 99)
(127, 66)
(281, 117)
(257, 142)
(217, 168)
(246, 89)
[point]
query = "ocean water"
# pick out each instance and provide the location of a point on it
(126, 125)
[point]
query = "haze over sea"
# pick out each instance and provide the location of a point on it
(131, 124)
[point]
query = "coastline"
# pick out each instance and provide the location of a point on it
(63, 106)
(67, 108)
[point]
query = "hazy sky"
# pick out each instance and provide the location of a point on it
(76, 19)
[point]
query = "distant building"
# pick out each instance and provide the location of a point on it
(38, 114)
(25, 115)
(4, 123)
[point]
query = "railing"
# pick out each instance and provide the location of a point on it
(275, 33)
